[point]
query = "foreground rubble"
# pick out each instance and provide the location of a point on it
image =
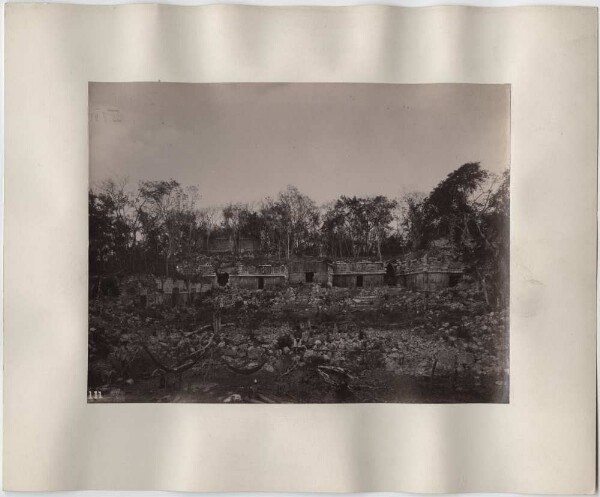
(303, 344)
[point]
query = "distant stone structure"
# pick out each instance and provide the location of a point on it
(177, 291)
(310, 272)
(140, 290)
(259, 277)
(191, 278)
(358, 274)
(174, 291)
(189, 281)
(425, 274)
(228, 246)
(248, 245)
(220, 246)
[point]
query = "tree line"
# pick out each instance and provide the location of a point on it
(148, 226)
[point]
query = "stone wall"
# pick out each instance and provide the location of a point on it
(364, 274)
(309, 272)
(354, 280)
(220, 245)
(358, 267)
(427, 281)
(425, 274)
(226, 245)
(255, 281)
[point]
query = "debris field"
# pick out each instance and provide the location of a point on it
(303, 344)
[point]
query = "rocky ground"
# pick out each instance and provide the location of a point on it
(303, 344)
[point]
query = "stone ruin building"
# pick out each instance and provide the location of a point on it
(358, 274)
(228, 246)
(424, 274)
(191, 279)
(320, 272)
(180, 289)
(249, 277)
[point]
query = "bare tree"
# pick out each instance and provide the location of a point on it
(208, 220)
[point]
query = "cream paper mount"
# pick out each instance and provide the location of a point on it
(542, 441)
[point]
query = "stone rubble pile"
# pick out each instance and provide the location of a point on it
(385, 329)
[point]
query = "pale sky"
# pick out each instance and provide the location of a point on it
(242, 142)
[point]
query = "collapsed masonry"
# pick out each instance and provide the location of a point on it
(151, 290)
(424, 274)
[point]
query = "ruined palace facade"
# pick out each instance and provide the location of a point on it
(260, 277)
(150, 290)
(230, 246)
(320, 272)
(425, 275)
(188, 280)
(364, 274)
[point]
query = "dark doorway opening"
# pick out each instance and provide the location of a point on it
(261, 282)
(309, 277)
(175, 296)
(143, 300)
(359, 281)
(390, 275)
(222, 279)
(454, 279)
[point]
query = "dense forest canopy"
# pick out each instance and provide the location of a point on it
(143, 228)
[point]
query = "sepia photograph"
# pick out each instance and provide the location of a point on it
(298, 243)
